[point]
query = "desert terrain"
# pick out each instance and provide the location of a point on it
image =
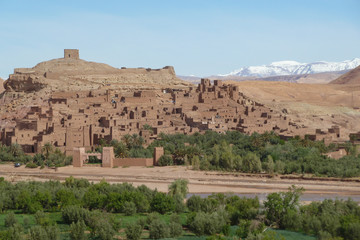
(200, 182)
(316, 105)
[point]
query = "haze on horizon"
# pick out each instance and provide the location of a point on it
(201, 38)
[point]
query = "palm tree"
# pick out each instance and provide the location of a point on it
(179, 187)
(16, 150)
(47, 149)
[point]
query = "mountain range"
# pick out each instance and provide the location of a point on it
(283, 68)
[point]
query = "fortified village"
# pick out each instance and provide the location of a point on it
(79, 119)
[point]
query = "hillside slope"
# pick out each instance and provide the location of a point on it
(350, 78)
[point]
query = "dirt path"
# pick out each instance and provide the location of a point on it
(199, 181)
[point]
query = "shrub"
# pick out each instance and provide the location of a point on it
(158, 229)
(10, 220)
(13, 233)
(31, 165)
(194, 203)
(71, 214)
(175, 229)
(41, 218)
(162, 203)
(152, 217)
(44, 233)
(133, 231)
(129, 208)
(103, 229)
(165, 160)
(77, 231)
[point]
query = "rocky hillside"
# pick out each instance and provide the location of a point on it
(66, 74)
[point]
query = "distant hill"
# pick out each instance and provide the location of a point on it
(350, 78)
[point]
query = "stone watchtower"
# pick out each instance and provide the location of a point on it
(71, 53)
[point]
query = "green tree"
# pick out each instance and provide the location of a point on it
(165, 160)
(162, 203)
(278, 205)
(77, 231)
(133, 231)
(251, 163)
(179, 187)
(158, 229)
(47, 149)
(10, 219)
(129, 208)
(16, 150)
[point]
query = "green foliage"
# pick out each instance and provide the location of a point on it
(133, 231)
(10, 220)
(208, 223)
(77, 231)
(179, 187)
(74, 214)
(44, 233)
(158, 229)
(129, 208)
(31, 165)
(165, 160)
(279, 204)
(41, 218)
(162, 203)
(103, 226)
(13, 233)
(251, 163)
(175, 229)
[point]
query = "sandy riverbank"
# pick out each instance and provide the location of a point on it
(199, 181)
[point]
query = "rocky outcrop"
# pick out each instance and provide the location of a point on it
(1, 85)
(72, 74)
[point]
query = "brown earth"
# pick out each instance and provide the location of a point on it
(315, 105)
(199, 181)
(350, 78)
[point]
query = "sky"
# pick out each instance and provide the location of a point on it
(197, 37)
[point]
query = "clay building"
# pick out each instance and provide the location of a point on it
(80, 119)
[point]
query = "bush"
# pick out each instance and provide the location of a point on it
(77, 231)
(129, 208)
(152, 217)
(41, 218)
(31, 165)
(13, 233)
(194, 203)
(71, 214)
(158, 229)
(44, 233)
(175, 229)
(162, 203)
(10, 220)
(133, 231)
(165, 160)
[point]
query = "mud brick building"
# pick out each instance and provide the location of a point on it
(80, 119)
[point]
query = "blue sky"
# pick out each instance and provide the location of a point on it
(197, 37)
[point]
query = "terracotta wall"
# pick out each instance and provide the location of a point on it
(146, 162)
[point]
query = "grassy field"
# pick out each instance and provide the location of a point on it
(55, 217)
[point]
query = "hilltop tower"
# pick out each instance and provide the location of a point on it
(71, 53)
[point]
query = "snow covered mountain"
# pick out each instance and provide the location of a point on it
(293, 68)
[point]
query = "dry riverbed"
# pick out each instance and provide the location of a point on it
(200, 182)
